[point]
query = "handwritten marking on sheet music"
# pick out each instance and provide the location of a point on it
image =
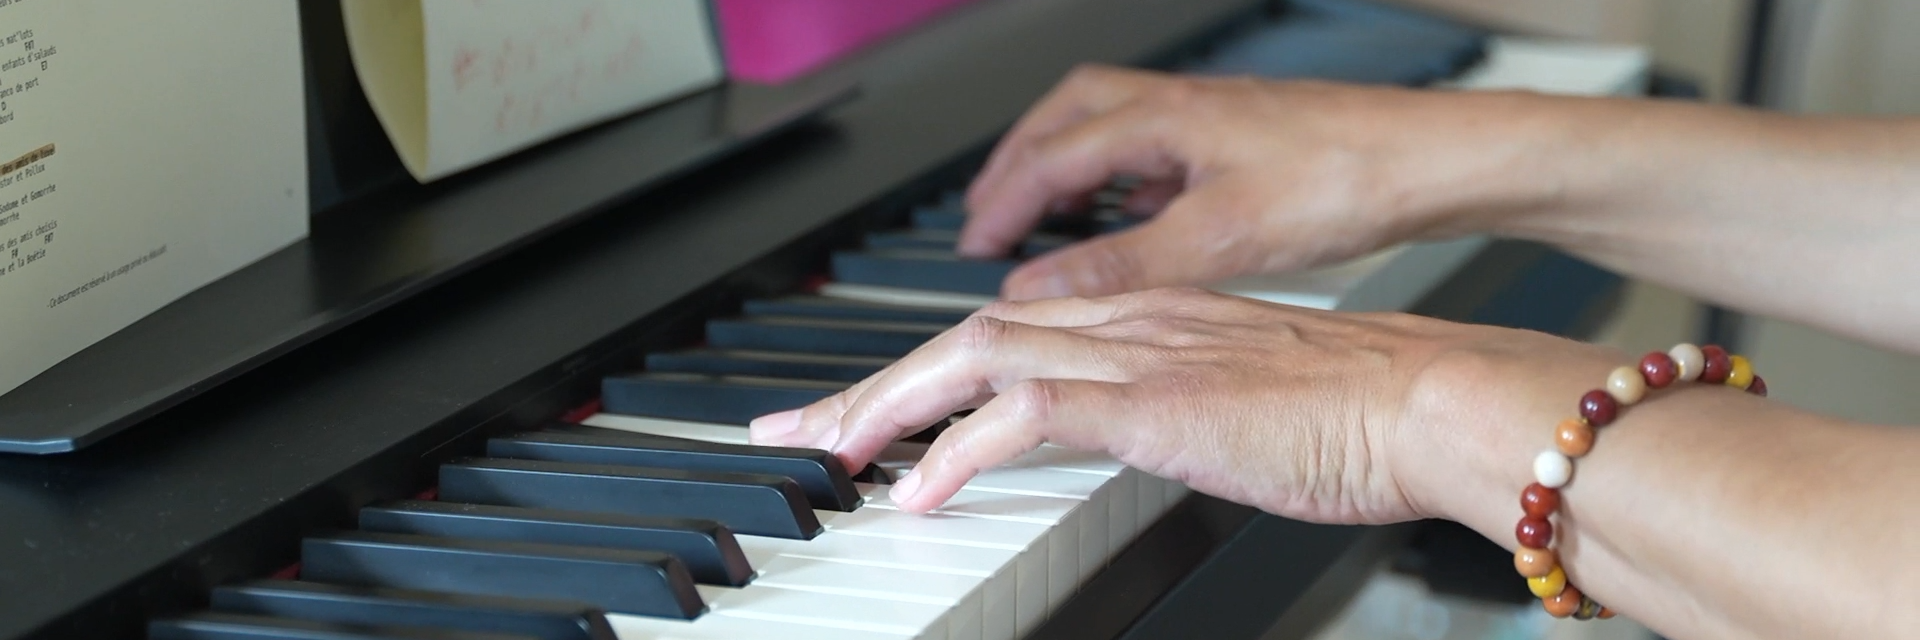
(547, 66)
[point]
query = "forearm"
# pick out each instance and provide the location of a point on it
(1703, 512)
(1814, 220)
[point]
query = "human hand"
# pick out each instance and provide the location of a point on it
(1247, 176)
(1302, 413)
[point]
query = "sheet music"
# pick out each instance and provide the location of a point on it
(457, 83)
(146, 149)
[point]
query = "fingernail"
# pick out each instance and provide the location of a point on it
(905, 488)
(775, 424)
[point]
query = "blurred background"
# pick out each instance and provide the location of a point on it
(1856, 57)
(1818, 56)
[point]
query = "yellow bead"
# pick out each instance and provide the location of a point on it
(1549, 585)
(1742, 373)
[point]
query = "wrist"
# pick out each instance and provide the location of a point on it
(1477, 416)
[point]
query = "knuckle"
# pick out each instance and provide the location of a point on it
(982, 334)
(1036, 401)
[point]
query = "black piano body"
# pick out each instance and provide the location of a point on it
(221, 485)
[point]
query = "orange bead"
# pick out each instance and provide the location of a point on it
(1534, 563)
(1574, 437)
(1605, 613)
(1563, 605)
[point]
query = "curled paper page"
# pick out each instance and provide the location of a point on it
(457, 83)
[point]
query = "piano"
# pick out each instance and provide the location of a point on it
(509, 405)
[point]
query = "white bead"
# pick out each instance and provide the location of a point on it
(1552, 469)
(1690, 360)
(1626, 386)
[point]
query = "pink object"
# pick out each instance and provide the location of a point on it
(773, 41)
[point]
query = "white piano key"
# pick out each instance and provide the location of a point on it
(850, 613)
(999, 608)
(673, 428)
(904, 297)
(1061, 516)
(1094, 544)
(711, 627)
(932, 569)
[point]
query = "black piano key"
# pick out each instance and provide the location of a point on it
(873, 474)
(379, 606)
(706, 547)
(820, 335)
(1115, 221)
(951, 218)
(734, 400)
(747, 503)
(767, 364)
(939, 217)
(230, 626)
(819, 474)
(928, 270)
(645, 583)
(810, 306)
(948, 241)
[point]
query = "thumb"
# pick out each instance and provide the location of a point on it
(1192, 242)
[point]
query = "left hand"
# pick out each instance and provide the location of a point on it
(1294, 411)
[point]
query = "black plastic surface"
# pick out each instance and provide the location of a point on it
(922, 269)
(710, 552)
(812, 306)
(818, 473)
(645, 583)
(734, 400)
(820, 335)
(232, 626)
(376, 606)
(766, 364)
(747, 503)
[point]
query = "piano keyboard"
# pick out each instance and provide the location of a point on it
(655, 519)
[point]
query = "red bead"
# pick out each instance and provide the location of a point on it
(1598, 408)
(1539, 501)
(1659, 369)
(1718, 366)
(1758, 388)
(1534, 533)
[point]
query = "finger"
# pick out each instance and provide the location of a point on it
(818, 425)
(1054, 312)
(1153, 195)
(983, 358)
(1195, 241)
(1087, 91)
(1076, 413)
(1078, 159)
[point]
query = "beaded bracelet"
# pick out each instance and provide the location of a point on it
(1573, 438)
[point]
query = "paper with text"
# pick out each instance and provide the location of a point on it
(457, 83)
(146, 149)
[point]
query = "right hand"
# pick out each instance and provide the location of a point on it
(1247, 176)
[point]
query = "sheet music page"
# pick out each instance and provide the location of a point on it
(146, 149)
(457, 83)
